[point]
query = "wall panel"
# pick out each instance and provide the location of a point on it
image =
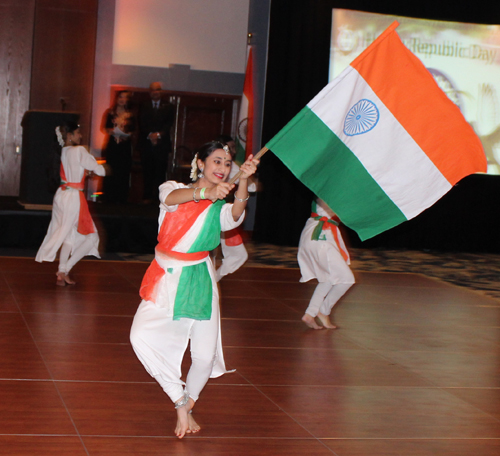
(63, 57)
(16, 37)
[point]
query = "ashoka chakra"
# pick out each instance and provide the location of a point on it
(362, 117)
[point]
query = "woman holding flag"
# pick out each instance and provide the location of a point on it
(180, 296)
(323, 256)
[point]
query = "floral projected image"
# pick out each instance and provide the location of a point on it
(464, 60)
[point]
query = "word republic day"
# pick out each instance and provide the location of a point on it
(448, 49)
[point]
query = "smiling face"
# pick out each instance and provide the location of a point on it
(216, 168)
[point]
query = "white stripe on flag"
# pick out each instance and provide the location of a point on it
(401, 174)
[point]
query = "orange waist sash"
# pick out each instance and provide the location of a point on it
(85, 223)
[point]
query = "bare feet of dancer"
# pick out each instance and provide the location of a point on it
(193, 425)
(69, 280)
(183, 420)
(63, 279)
(325, 320)
(309, 321)
(60, 282)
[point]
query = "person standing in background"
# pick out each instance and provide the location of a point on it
(119, 124)
(156, 118)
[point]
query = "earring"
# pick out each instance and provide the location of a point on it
(201, 175)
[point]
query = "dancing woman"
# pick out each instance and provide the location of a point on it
(323, 255)
(71, 227)
(180, 299)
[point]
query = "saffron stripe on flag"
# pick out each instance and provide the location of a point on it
(426, 113)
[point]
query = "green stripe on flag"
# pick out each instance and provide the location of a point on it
(322, 162)
(239, 157)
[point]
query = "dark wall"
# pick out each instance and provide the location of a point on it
(63, 58)
(16, 38)
(299, 52)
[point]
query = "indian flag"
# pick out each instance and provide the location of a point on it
(244, 135)
(382, 142)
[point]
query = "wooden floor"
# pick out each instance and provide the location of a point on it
(413, 369)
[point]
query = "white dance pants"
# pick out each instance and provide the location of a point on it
(325, 296)
(160, 342)
(70, 255)
(233, 257)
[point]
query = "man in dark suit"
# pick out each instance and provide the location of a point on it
(156, 118)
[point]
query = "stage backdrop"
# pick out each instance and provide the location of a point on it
(298, 68)
(463, 58)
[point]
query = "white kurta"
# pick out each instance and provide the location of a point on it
(66, 207)
(322, 259)
(158, 340)
(233, 256)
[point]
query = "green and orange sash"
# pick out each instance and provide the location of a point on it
(194, 292)
(325, 223)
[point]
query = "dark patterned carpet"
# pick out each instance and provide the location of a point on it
(479, 271)
(476, 271)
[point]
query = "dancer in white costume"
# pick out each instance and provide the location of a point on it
(71, 227)
(323, 256)
(180, 296)
(234, 253)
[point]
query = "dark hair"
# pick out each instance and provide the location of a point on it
(68, 126)
(54, 161)
(224, 139)
(117, 95)
(207, 148)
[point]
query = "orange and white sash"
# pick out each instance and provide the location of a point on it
(85, 223)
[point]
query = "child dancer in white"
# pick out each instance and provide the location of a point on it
(71, 228)
(180, 296)
(323, 256)
(234, 253)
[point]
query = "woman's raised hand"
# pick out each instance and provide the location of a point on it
(249, 167)
(219, 192)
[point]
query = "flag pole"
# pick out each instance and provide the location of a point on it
(260, 153)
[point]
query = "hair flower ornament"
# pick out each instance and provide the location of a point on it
(227, 150)
(194, 167)
(60, 139)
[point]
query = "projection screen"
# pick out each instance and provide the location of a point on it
(463, 58)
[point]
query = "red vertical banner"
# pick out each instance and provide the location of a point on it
(244, 133)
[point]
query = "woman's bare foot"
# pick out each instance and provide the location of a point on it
(68, 279)
(194, 427)
(64, 279)
(325, 320)
(183, 420)
(60, 282)
(309, 321)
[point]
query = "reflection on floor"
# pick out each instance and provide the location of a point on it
(413, 369)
